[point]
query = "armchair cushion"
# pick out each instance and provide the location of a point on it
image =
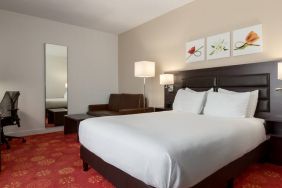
(114, 102)
(135, 111)
(119, 104)
(95, 107)
(101, 113)
(131, 101)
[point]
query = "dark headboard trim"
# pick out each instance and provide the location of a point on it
(240, 78)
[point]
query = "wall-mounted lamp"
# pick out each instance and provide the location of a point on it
(279, 69)
(167, 80)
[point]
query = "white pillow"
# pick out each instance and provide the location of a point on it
(252, 102)
(211, 90)
(187, 101)
(226, 104)
(205, 99)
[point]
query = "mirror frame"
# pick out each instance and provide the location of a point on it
(44, 70)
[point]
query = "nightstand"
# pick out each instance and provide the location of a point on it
(274, 129)
(160, 109)
(72, 123)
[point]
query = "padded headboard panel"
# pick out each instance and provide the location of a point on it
(239, 83)
(200, 83)
(240, 78)
(251, 82)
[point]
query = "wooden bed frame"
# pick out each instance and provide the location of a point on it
(248, 77)
(220, 179)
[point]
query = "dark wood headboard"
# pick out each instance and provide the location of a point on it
(241, 78)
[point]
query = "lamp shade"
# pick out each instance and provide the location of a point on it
(144, 69)
(280, 71)
(166, 79)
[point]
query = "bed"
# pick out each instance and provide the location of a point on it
(171, 149)
(217, 151)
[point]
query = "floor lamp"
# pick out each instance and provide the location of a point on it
(144, 69)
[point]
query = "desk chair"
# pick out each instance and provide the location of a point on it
(9, 115)
(0, 146)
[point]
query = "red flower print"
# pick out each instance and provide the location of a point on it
(192, 50)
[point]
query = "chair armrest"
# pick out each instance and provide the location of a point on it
(94, 107)
(135, 111)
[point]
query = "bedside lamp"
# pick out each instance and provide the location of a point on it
(279, 68)
(167, 80)
(144, 69)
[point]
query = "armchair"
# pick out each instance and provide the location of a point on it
(120, 104)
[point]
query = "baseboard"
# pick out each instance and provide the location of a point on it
(35, 131)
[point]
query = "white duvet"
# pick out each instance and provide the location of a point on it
(170, 149)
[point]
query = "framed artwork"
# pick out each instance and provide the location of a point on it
(195, 51)
(247, 40)
(218, 46)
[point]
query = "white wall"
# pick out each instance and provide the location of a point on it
(92, 65)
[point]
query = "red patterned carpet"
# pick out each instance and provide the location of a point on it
(52, 161)
(47, 161)
(260, 176)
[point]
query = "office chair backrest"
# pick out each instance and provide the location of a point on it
(9, 103)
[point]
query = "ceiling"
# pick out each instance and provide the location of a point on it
(114, 16)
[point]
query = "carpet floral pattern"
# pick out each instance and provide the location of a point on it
(47, 161)
(260, 176)
(52, 161)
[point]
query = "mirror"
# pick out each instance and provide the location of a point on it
(56, 96)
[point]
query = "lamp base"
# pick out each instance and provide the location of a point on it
(144, 93)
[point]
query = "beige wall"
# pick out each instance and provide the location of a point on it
(92, 65)
(163, 40)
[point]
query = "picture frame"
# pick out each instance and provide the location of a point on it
(218, 46)
(195, 51)
(247, 40)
